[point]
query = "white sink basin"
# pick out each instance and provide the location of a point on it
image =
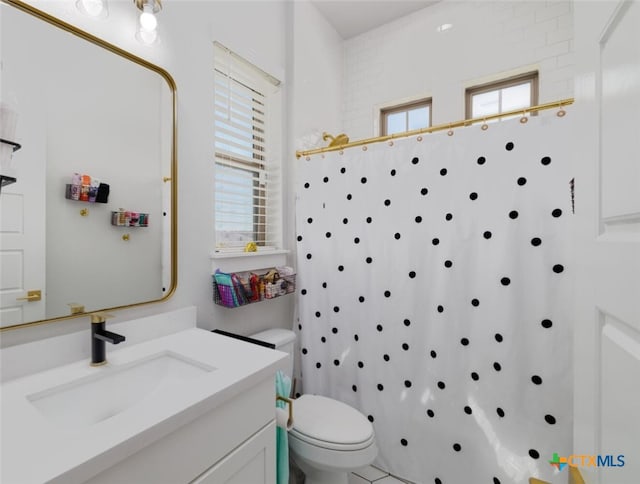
(76, 420)
(113, 389)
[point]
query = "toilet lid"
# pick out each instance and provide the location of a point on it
(328, 420)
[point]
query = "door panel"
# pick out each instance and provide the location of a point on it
(619, 131)
(21, 266)
(607, 239)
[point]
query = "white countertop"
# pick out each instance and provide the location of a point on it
(35, 449)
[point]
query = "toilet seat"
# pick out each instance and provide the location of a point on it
(330, 424)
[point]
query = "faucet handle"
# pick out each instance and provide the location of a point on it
(100, 317)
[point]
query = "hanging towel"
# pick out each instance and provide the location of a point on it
(283, 388)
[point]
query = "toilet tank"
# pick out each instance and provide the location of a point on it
(283, 339)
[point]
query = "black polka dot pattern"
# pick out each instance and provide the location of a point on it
(412, 276)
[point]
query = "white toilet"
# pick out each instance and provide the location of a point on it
(329, 438)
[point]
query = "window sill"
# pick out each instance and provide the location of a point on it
(232, 261)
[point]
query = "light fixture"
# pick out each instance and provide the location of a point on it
(147, 32)
(93, 8)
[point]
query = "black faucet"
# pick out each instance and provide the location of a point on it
(99, 336)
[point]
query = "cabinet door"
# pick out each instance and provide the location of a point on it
(254, 462)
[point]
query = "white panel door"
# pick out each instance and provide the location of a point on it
(607, 241)
(22, 204)
(22, 245)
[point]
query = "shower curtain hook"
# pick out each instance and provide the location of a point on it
(561, 112)
(524, 118)
(450, 132)
(484, 126)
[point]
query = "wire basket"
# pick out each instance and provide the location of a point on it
(240, 291)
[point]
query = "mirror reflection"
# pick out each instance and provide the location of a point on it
(85, 116)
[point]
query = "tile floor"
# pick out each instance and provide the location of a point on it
(371, 474)
(366, 475)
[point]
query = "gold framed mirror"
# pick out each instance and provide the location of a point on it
(84, 106)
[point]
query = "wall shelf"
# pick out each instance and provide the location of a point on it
(100, 197)
(16, 146)
(240, 289)
(6, 180)
(126, 218)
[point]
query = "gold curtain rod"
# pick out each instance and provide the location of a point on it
(440, 127)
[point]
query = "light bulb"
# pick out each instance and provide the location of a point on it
(93, 8)
(148, 21)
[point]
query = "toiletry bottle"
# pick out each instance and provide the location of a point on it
(93, 189)
(84, 192)
(76, 186)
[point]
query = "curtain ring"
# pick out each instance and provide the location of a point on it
(484, 126)
(450, 132)
(390, 143)
(561, 112)
(341, 152)
(308, 158)
(524, 118)
(364, 148)
(419, 138)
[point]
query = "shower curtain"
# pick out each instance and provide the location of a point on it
(434, 294)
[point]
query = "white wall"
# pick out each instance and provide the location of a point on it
(316, 59)
(318, 71)
(407, 59)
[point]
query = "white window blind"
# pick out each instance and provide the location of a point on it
(247, 132)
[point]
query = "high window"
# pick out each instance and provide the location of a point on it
(502, 96)
(247, 134)
(405, 117)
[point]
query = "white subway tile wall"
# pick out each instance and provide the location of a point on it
(407, 59)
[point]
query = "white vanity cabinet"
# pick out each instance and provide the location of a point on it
(233, 443)
(190, 407)
(251, 463)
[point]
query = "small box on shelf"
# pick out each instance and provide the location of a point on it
(239, 289)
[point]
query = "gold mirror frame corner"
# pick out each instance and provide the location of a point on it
(37, 13)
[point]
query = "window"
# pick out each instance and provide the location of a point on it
(405, 117)
(502, 96)
(247, 132)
